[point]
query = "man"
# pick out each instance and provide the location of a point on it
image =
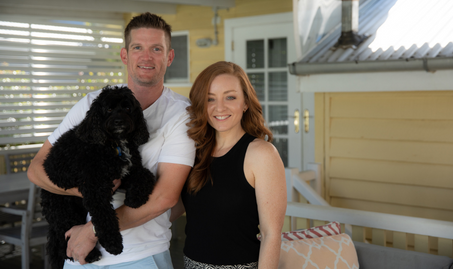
(169, 153)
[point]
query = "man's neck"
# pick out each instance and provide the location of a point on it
(147, 95)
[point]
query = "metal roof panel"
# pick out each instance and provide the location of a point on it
(396, 29)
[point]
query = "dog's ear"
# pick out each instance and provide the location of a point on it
(90, 129)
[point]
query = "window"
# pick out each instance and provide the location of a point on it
(178, 72)
(46, 66)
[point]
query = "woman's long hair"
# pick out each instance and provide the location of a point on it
(203, 134)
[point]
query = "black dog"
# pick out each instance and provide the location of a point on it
(103, 147)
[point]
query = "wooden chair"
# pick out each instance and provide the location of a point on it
(29, 234)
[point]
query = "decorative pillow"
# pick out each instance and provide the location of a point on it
(332, 228)
(333, 252)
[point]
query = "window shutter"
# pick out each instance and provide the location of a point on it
(46, 66)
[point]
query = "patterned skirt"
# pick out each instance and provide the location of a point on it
(191, 264)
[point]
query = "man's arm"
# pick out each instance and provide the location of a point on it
(38, 176)
(170, 181)
(177, 210)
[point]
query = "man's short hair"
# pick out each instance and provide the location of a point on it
(147, 20)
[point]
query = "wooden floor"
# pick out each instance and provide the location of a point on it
(10, 256)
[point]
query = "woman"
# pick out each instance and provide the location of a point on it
(238, 181)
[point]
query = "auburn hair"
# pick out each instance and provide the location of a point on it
(203, 134)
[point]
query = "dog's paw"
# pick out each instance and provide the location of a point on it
(114, 249)
(93, 256)
(112, 242)
(135, 201)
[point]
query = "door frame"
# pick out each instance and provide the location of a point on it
(230, 24)
(307, 99)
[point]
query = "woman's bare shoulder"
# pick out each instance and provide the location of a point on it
(260, 149)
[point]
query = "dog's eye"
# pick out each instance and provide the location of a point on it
(109, 110)
(128, 109)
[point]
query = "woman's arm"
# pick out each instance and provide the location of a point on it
(268, 177)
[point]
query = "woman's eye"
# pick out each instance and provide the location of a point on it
(231, 98)
(210, 99)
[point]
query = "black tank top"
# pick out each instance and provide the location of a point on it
(222, 218)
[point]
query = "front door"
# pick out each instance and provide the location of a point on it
(263, 46)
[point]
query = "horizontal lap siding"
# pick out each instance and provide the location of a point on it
(197, 20)
(391, 152)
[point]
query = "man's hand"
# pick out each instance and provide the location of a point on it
(116, 183)
(81, 241)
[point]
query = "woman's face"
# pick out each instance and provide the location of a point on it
(226, 103)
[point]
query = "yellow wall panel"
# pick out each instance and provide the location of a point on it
(182, 90)
(393, 106)
(413, 211)
(389, 152)
(429, 175)
(211, 55)
(392, 193)
(403, 130)
(246, 8)
(403, 151)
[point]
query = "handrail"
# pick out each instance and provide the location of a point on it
(319, 209)
(298, 181)
(397, 223)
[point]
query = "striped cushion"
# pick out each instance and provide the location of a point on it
(332, 228)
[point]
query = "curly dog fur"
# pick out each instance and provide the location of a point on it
(103, 147)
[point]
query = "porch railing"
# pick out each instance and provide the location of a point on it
(403, 232)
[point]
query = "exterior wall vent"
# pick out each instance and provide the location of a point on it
(350, 25)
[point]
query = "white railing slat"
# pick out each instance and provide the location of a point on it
(406, 224)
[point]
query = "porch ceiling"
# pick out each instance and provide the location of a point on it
(104, 8)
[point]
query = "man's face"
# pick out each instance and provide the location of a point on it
(147, 57)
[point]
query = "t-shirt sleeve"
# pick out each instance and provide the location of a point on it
(73, 118)
(178, 147)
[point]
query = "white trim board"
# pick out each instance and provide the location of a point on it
(440, 80)
(230, 24)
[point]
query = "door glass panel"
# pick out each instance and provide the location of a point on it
(255, 54)
(257, 80)
(282, 146)
(278, 119)
(277, 52)
(271, 86)
(278, 86)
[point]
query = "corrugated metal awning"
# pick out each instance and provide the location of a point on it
(402, 35)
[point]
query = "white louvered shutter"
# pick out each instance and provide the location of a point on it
(46, 66)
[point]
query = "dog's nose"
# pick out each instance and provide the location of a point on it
(118, 122)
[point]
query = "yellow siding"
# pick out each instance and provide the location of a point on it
(198, 22)
(388, 152)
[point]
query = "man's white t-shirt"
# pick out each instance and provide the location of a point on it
(168, 143)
